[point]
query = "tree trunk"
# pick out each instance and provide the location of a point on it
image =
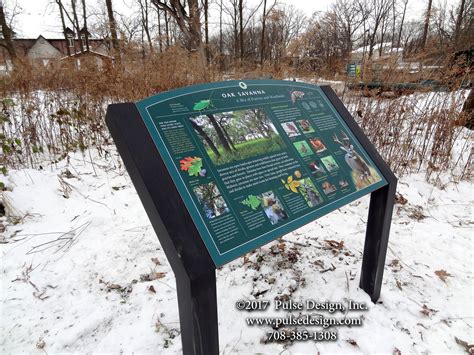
(459, 22)
(86, 32)
(427, 23)
(206, 29)
(401, 24)
(113, 30)
(236, 34)
(262, 39)
(371, 44)
(394, 22)
(144, 12)
(221, 43)
(204, 136)
(160, 40)
(241, 24)
(227, 136)
(63, 23)
(383, 29)
(219, 132)
(76, 25)
(7, 36)
(167, 29)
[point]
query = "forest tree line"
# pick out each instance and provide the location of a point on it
(236, 33)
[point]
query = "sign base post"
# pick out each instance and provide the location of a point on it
(376, 239)
(197, 303)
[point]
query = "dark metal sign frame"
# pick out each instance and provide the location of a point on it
(190, 260)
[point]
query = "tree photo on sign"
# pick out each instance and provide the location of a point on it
(211, 200)
(236, 135)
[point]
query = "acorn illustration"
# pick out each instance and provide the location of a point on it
(297, 174)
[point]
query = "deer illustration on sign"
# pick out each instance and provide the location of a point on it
(354, 160)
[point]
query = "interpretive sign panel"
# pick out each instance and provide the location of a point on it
(254, 160)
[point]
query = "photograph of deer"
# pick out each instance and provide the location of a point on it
(236, 135)
(362, 173)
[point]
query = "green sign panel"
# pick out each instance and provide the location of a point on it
(353, 70)
(254, 160)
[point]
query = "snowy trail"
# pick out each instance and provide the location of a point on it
(82, 270)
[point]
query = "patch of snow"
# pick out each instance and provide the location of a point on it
(74, 258)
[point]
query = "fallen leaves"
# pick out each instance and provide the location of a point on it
(352, 342)
(427, 311)
(468, 347)
(399, 285)
(156, 261)
(152, 276)
(123, 291)
(400, 199)
(417, 213)
(335, 244)
(442, 274)
(395, 265)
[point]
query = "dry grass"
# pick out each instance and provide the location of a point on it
(416, 132)
(61, 109)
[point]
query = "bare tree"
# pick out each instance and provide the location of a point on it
(349, 19)
(459, 19)
(206, 28)
(221, 44)
(231, 9)
(76, 23)
(63, 23)
(405, 3)
(7, 35)
(377, 10)
(426, 25)
(262, 41)
(241, 32)
(113, 30)
(86, 31)
(187, 17)
(144, 19)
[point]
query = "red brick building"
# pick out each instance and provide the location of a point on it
(43, 50)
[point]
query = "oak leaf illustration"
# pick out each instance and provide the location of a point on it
(192, 165)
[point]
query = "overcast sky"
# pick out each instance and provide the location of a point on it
(42, 17)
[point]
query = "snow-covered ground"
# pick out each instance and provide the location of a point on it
(82, 270)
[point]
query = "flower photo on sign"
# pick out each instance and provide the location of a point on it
(291, 184)
(193, 165)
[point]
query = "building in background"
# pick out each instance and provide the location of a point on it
(44, 51)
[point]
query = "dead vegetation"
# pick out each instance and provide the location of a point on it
(48, 113)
